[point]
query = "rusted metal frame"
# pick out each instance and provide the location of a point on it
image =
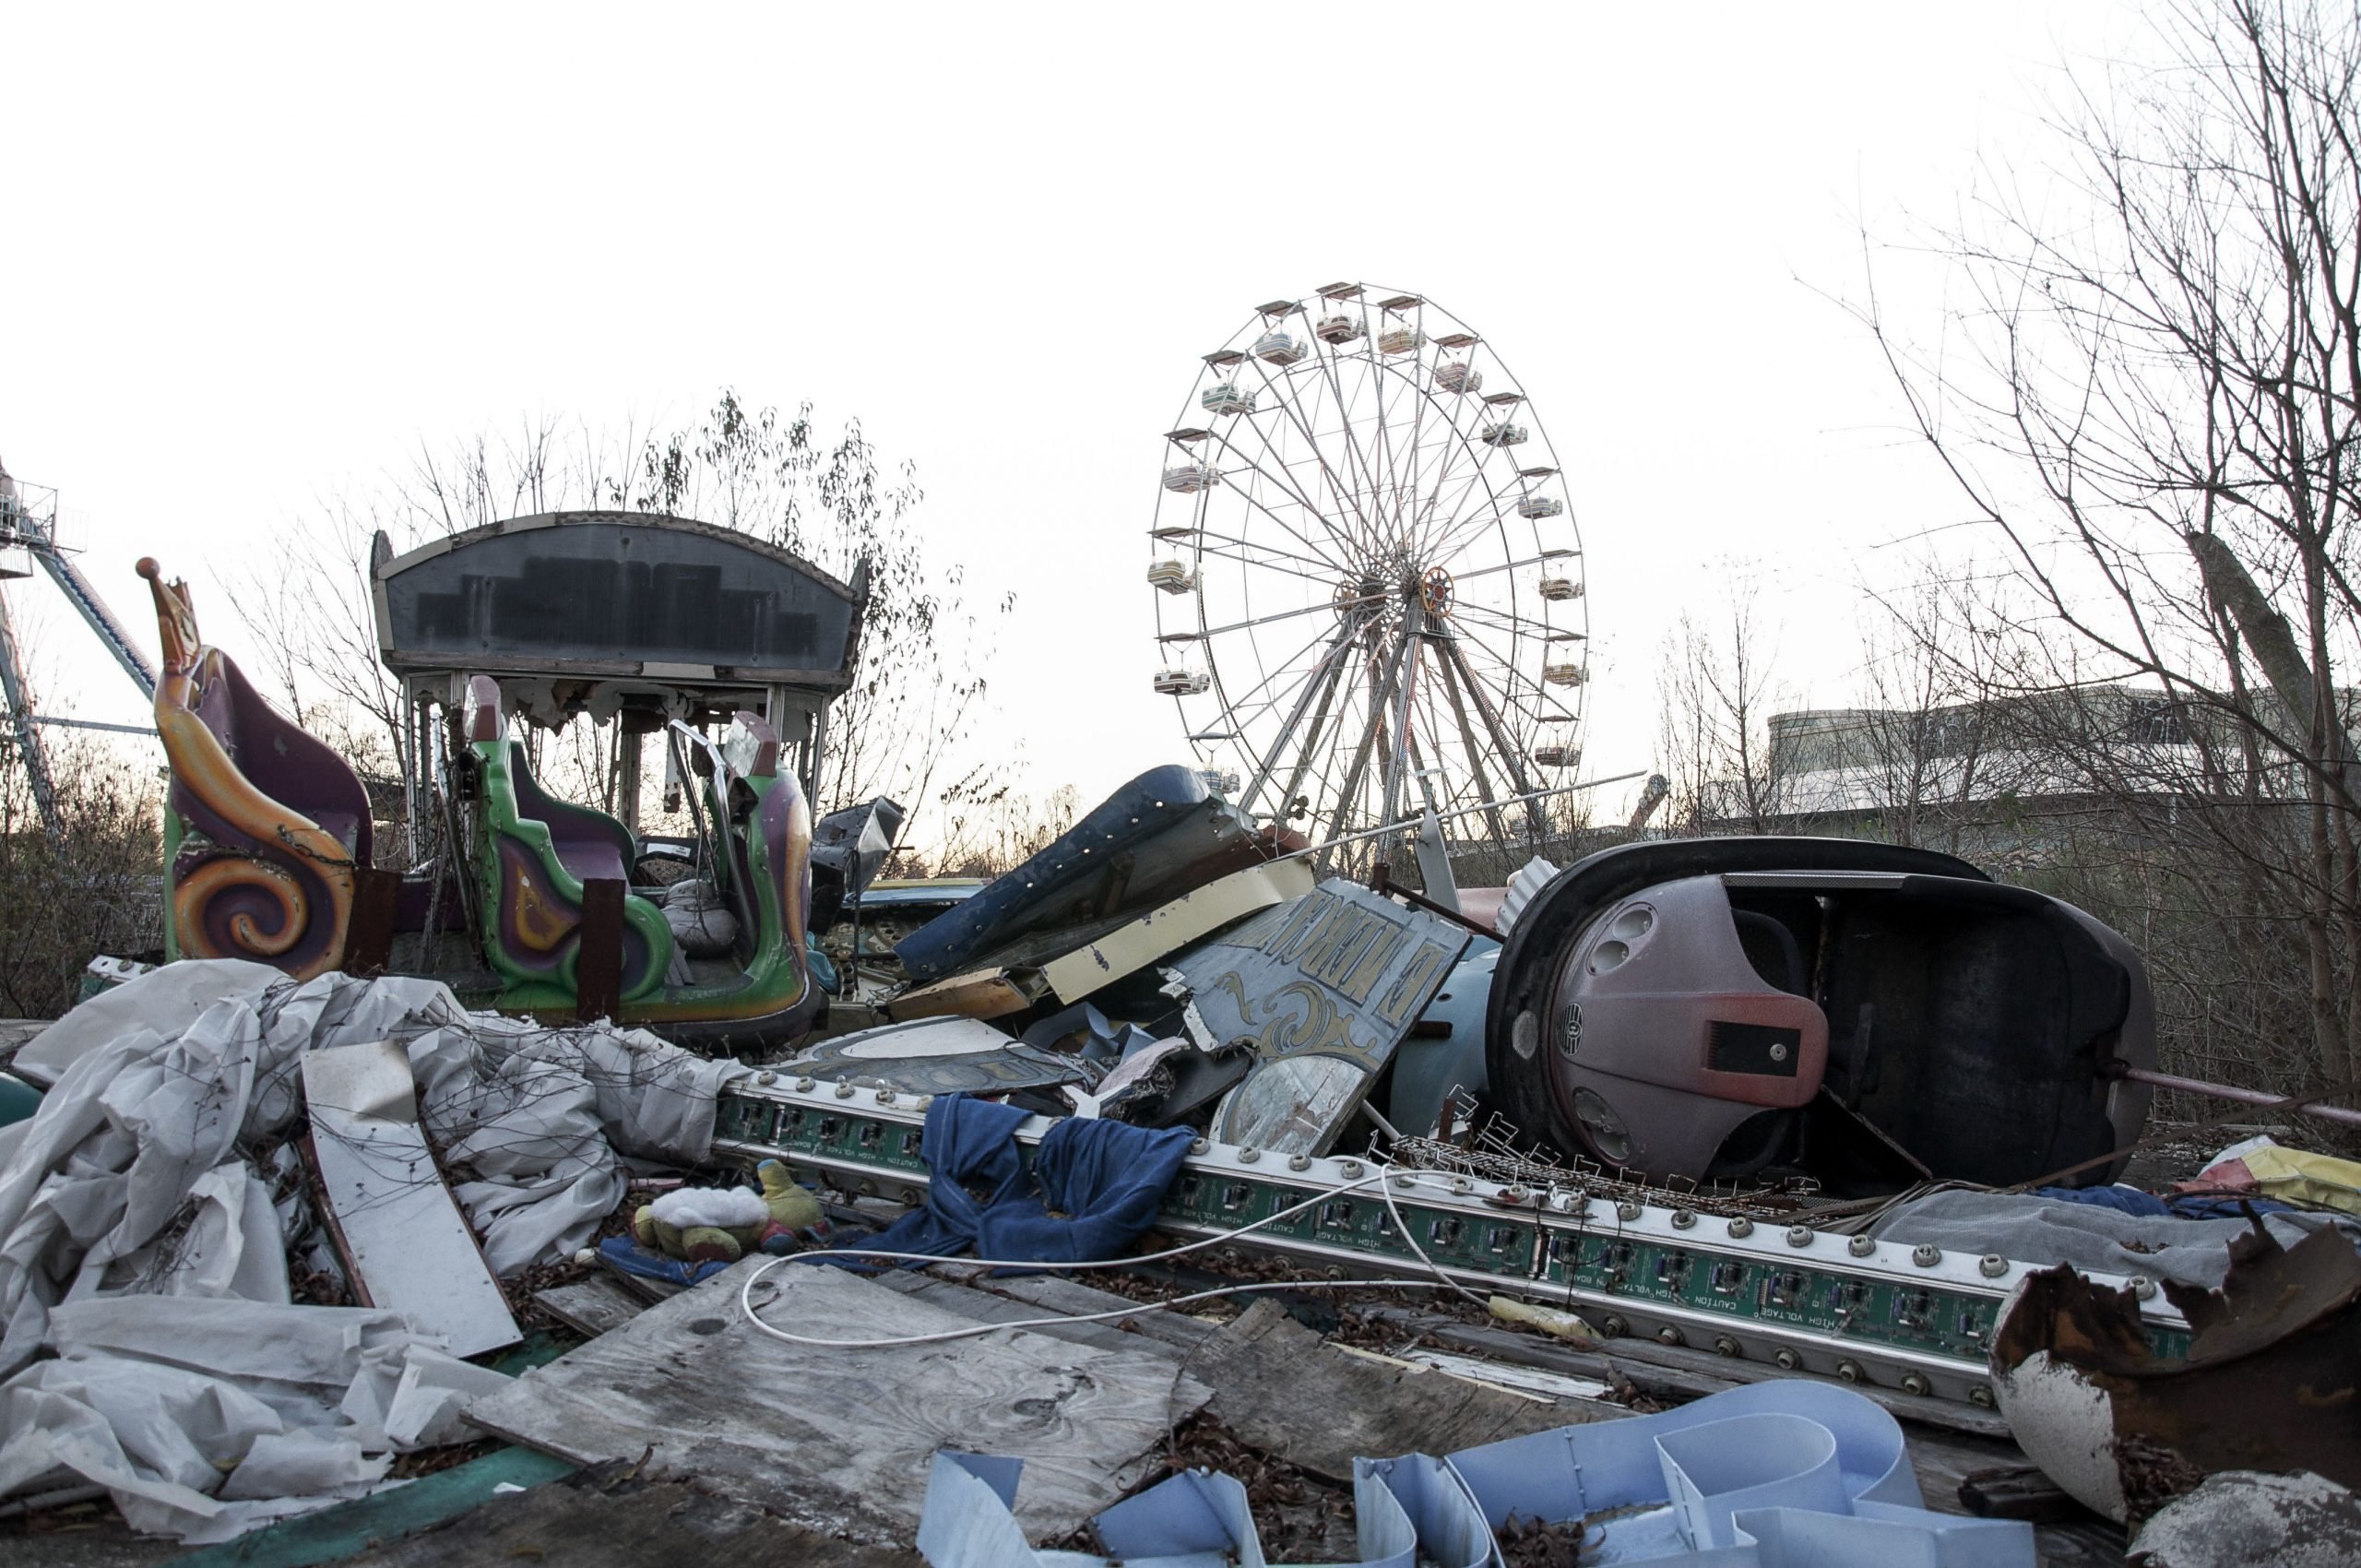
(1380, 882)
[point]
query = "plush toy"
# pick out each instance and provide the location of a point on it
(720, 1224)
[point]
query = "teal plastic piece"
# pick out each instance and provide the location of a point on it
(18, 1099)
(348, 1528)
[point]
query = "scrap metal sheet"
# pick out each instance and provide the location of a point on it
(386, 1199)
(1326, 986)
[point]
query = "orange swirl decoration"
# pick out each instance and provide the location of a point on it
(265, 882)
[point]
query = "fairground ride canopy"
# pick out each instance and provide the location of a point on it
(595, 606)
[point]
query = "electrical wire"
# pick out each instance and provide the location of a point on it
(1379, 1176)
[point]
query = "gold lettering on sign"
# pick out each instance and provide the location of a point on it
(1339, 928)
(1374, 962)
(1409, 988)
(1302, 916)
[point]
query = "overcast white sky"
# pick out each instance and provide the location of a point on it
(256, 256)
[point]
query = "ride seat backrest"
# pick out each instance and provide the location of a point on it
(1985, 1020)
(588, 842)
(296, 769)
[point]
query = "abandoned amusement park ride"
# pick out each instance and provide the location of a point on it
(1381, 638)
(1660, 1085)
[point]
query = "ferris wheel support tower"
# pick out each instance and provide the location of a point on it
(28, 535)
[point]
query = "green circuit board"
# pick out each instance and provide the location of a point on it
(1590, 1265)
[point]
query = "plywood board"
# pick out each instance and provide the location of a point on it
(594, 1306)
(386, 1204)
(841, 1439)
(980, 993)
(1282, 1388)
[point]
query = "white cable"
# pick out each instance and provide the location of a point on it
(1377, 1175)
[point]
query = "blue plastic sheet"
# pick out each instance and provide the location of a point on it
(1093, 1188)
(1774, 1475)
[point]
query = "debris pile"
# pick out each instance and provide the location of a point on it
(1731, 1292)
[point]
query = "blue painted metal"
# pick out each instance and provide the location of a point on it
(1772, 1475)
(1428, 1068)
(1157, 838)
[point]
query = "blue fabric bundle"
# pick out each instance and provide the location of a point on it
(2180, 1206)
(1094, 1185)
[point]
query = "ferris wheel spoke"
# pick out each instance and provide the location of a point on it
(1545, 556)
(1294, 533)
(1292, 614)
(1358, 459)
(1438, 544)
(1347, 507)
(1327, 580)
(1342, 501)
(1254, 702)
(1472, 514)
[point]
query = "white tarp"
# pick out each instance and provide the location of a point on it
(150, 1342)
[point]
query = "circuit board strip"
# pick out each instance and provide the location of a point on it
(1885, 1314)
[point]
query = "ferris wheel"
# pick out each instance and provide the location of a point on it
(1369, 597)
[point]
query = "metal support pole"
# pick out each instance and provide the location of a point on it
(21, 720)
(2243, 1097)
(628, 744)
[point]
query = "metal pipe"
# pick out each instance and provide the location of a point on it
(2244, 1097)
(1454, 816)
(89, 724)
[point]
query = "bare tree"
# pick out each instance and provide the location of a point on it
(1716, 689)
(782, 479)
(2155, 403)
(85, 889)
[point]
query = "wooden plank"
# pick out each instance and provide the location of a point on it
(1051, 1292)
(1668, 1370)
(649, 1291)
(979, 993)
(983, 1306)
(599, 965)
(840, 1438)
(1281, 1387)
(595, 1306)
(369, 941)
